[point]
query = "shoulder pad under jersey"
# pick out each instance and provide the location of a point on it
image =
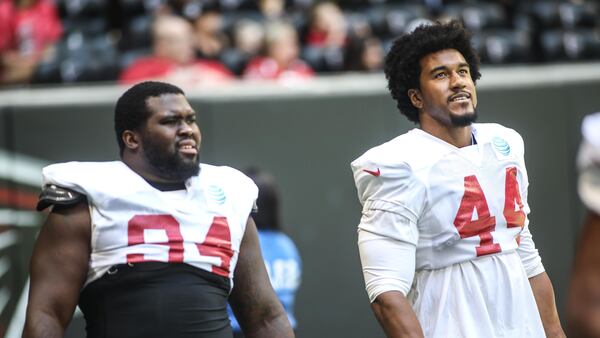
(54, 195)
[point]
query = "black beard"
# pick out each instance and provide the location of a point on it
(463, 120)
(170, 166)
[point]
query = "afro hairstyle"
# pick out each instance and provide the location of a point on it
(402, 63)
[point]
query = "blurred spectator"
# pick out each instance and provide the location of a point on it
(210, 40)
(28, 30)
(364, 55)
(173, 58)
(272, 9)
(281, 60)
(326, 38)
(328, 26)
(248, 37)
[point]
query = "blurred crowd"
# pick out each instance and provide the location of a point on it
(212, 42)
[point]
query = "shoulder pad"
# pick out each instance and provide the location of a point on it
(55, 195)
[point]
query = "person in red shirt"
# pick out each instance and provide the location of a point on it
(28, 29)
(173, 58)
(328, 26)
(281, 60)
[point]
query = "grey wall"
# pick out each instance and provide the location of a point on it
(307, 143)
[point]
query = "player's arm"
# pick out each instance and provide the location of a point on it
(544, 297)
(388, 267)
(396, 316)
(584, 293)
(252, 299)
(58, 270)
(540, 284)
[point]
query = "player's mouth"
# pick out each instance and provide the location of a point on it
(460, 97)
(187, 147)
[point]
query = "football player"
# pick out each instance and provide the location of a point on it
(444, 236)
(584, 293)
(148, 245)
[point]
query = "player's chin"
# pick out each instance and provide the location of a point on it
(464, 118)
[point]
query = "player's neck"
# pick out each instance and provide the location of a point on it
(457, 136)
(147, 172)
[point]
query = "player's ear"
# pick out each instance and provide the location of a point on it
(131, 139)
(415, 98)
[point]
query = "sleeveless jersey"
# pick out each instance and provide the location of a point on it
(133, 222)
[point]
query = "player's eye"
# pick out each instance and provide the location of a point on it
(169, 121)
(440, 75)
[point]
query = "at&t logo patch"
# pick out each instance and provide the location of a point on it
(501, 145)
(216, 194)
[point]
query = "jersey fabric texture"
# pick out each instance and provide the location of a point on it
(448, 227)
(588, 162)
(133, 222)
(284, 267)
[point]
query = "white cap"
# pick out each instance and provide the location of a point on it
(588, 162)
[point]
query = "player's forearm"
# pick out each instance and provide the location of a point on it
(396, 316)
(544, 297)
(42, 325)
(275, 326)
(583, 310)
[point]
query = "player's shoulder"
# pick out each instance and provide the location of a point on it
(225, 175)
(81, 171)
(76, 165)
(222, 171)
(490, 131)
(501, 137)
(396, 152)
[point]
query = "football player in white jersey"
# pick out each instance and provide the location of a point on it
(584, 293)
(444, 237)
(147, 246)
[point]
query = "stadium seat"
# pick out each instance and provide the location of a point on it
(137, 33)
(545, 13)
(577, 15)
(579, 44)
(503, 46)
(82, 8)
(478, 16)
(324, 59)
(80, 59)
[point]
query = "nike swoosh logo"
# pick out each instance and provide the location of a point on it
(374, 173)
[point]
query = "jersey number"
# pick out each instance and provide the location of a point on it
(474, 201)
(217, 242)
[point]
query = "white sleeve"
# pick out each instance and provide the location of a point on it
(388, 264)
(530, 257)
(532, 262)
(394, 190)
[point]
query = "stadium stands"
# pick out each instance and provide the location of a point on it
(101, 38)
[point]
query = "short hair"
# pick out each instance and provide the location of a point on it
(402, 63)
(267, 217)
(131, 110)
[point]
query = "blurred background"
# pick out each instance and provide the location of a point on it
(295, 87)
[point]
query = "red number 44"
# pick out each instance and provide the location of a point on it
(217, 242)
(474, 200)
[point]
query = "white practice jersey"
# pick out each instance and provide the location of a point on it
(133, 222)
(460, 217)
